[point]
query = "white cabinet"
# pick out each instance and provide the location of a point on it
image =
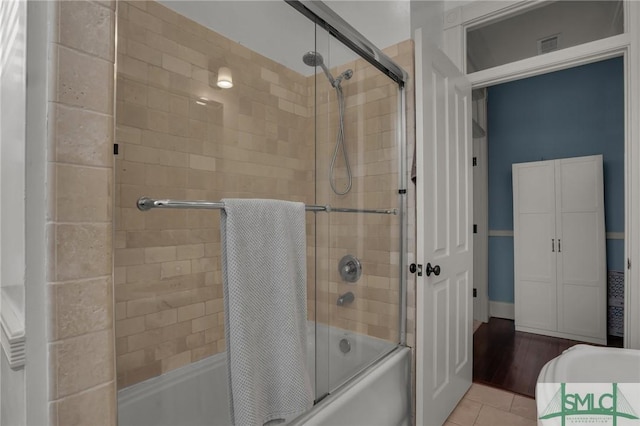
(560, 248)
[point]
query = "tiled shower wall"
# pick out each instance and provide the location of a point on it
(254, 140)
(79, 218)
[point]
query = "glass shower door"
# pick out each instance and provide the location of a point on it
(357, 158)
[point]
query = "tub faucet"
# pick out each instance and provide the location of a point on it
(348, 297)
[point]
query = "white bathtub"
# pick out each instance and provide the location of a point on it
(587, 370)
(592, 364)
(197, 394)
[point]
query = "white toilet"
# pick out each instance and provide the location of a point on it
(588, 364)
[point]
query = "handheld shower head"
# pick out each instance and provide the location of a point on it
(346, 75)
(314, 59)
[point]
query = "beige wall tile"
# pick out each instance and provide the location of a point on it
(191, 311)
(82, 80)
(203, 323)
(160, 254)
(121, 311)
(78, 16)
(176, 361)
(83, 194)
(193, 251)
(132, 360)
(127, 327)
(144, 53)
(203, 352)
(143, 273)
(81, 307)
(95, 407)
(81, 363)
(162, 318)
(176, 268)
(82, 136)
(144, 19)
(81, 251)
(200, 162)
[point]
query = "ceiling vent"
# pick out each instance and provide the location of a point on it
(548, 44)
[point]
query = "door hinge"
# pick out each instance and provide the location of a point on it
(115, 149)
(475, 228)
(475, 292)
(475, 161)
(628, 263)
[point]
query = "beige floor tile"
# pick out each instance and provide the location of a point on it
(465, 413)
(490, 416)
(490, 396)
(525, 407)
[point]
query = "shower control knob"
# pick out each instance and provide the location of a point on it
(350, 268)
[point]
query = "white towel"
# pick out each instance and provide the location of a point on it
(265, 292)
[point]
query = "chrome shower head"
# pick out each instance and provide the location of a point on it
(313, 59)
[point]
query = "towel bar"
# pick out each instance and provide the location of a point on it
(146, 203)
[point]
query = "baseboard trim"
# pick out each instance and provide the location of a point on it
(576, 337)
(501, 310)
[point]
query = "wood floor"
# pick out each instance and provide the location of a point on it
(511, 360)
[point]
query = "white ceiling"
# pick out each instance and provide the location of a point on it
(276, 30)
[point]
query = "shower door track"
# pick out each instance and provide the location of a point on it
(146, 203)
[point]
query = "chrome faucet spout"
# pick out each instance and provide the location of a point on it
(346, 298)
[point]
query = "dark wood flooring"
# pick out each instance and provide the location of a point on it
(511, 360)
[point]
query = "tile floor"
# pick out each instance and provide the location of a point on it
(486, 406)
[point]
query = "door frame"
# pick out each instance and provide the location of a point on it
(627, 45)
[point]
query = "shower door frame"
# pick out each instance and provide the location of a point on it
(325, 17)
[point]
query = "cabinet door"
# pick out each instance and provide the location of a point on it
(534, 208)
(582, 293)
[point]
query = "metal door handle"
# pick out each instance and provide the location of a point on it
(434, 269)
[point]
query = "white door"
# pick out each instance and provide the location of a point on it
(444, 211)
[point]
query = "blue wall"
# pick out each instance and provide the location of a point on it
(570, 113)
